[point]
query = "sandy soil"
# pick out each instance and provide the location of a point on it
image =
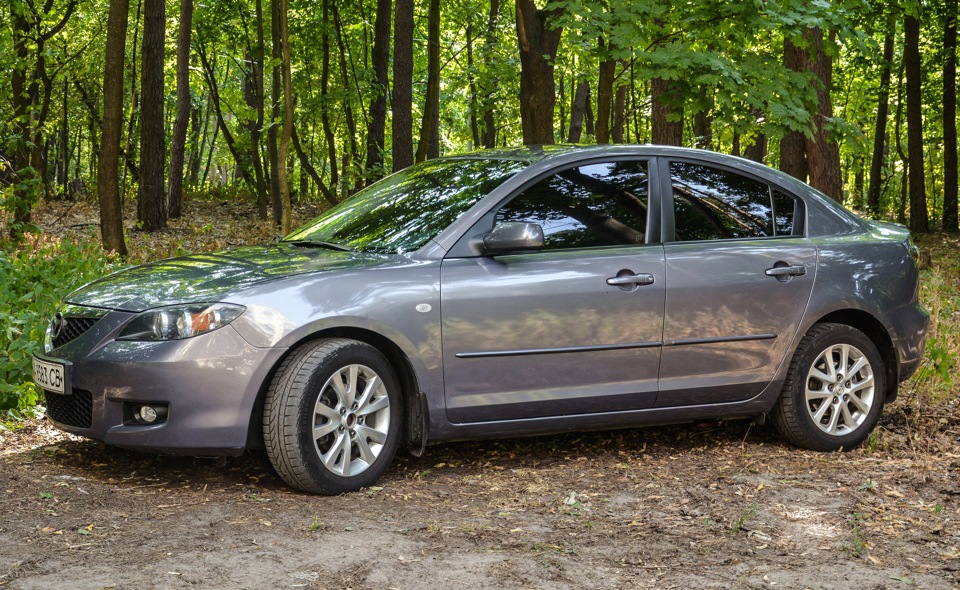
(696, 506)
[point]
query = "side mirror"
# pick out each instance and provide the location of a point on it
(513, 236)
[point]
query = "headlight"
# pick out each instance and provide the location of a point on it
(180, 321)
(54, 325)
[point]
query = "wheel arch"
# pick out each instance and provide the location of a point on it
(877, 333)
(414, 409)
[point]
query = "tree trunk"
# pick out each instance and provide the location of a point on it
(108, 180)
(151, 199)
(431, 107)
(377, 125)
(254, 93)
(178, 142)
(793, 145)
(604, 96)
(325, 100)
(588, 119)
(354, 153)
(912, 67)
(129, 151)
(757, 151)
(489, 124)
(703, 120)
(311, 171)
(253, 96)
(561, 100)
(198, 138)
(275, 83)
(24, 97)
(578, 111)
(823, 153)
(402, 100)
(667, 112)
(619, 115)
(63, 141)
(240, 158)
(287, 133)
(473, 98)
(538, 43)
(858, 182)
(213, 147)
(880, 132)
(905, 161)
(950, 223)
(32, 89)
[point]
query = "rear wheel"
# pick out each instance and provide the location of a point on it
(834, 391)
(332, 416)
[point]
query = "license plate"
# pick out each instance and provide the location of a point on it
(49, 376)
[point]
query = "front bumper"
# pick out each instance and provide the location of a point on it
(208, 384)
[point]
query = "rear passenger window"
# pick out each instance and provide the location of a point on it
(714, 204)
(784, 209)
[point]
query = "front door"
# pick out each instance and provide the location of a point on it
(573, 329)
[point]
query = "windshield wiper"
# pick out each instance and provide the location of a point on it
(319, 244)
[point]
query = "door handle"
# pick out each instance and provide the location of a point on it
(640, 279)
(786, 271)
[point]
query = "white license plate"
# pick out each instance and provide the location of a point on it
(49, 376)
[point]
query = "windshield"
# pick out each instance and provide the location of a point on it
(403, 211)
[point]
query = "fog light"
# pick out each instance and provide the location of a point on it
(148, 414)
(145, 414)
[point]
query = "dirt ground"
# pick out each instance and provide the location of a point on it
(712, 505)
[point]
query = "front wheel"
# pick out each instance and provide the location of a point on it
(331, 419)
(834, 392)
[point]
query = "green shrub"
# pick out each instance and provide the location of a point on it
(35, 276)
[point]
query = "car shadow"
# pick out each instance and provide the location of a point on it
(124, 468)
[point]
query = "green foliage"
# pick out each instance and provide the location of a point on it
(36, 275)
(859, 541)
(22, 194)
(939, 288)
(739, 524)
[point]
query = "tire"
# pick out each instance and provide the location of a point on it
(331, 420)
(834, 391)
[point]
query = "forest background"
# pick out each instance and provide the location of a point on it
(142, 109)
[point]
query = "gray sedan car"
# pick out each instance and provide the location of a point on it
(496, 294)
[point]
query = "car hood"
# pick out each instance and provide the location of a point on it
(212, 277)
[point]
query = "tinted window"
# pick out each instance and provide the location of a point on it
(714, 204)
(401, 212)
(784, 208)
(596, 205)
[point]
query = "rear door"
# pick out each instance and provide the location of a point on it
(739, 276)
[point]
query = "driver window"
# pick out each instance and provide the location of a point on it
(587, 206)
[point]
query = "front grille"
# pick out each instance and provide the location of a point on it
(72, 410)
(73, 328)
